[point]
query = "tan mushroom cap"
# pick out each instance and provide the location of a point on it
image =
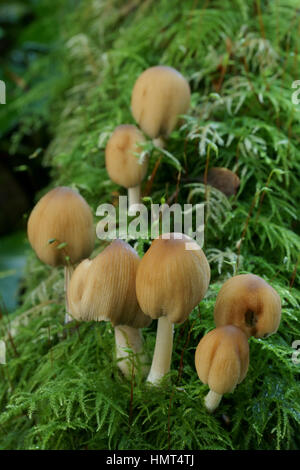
(222, 358)
(103, 289)
(224, 180)
(159, 96)
(250, 303)
(171, 280)
(122, 164)
(76, 287)
(62, 214)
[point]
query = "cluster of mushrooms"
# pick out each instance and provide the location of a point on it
(172, 277)
(159, 96)
(246, 306)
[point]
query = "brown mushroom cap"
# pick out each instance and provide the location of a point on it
(224, 180)
(250, 303)
(64, 216)
(222, 358)
(103, 289)
(121, 162)
(159, 96)
(172, 280)
(76, 287)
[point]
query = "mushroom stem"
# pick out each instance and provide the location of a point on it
(161, 361)
(134, 197)
(126, 338)
(68, 271)
(159, 142)
(212, 401)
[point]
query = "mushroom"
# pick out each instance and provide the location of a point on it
(103, 289)
(122, 163)
(222, 360)
(159, 96)
(60, 230)
(223, 179)
(250, 303)
(172, 278)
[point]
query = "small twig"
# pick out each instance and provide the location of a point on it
(260, 19)
(224, 67)
(151, 180)
(180, 335)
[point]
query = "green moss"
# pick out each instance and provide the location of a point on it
(61, 388)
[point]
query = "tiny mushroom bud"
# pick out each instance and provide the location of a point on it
(224, 180)
(103, 289)
(122, 161)
(250, 303)
(60, 230)
(222, 360)
(159, 96)
(172, 279)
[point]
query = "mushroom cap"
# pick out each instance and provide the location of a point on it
(159, 96)
(250, 303)
(171, 280)
(103, 289)
(64, 216)
(224, 180)
(222, 358)
(76, 287)
(121, 162)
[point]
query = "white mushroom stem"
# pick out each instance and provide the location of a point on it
(161, 361)
(129, 363)
(134, 197)
(68, 273)
(159, 142)
(212, 401)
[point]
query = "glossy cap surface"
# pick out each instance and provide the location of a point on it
(61, 216)
(172, 280)
(122, 163)
(103, 289)
(159, 96)
(250, 303)
(224, 180)
(222, 358)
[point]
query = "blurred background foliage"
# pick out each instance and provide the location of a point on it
(69, 67)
